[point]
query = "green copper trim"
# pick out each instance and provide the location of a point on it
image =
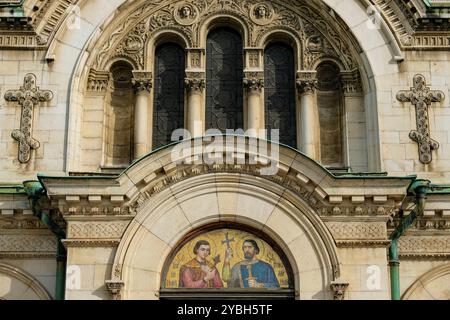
(35, 191)
(419, 188)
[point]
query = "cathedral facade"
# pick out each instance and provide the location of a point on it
(167, 149)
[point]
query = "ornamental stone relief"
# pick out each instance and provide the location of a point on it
(114, 229)
(424, 246)
(316, 36)
(27, 243)
(357, 230)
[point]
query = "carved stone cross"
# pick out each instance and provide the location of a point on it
(28, 96)
(421, 97)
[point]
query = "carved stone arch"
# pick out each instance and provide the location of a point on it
(25, 280)
(223, 19)
(328, 59)
(120, 59)
(433, 285)
(109, 27)
(160, 37)
(303, 237)
(284, 35)
(170, 201)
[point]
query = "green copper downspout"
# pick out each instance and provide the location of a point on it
(35, 191)
(419, 188)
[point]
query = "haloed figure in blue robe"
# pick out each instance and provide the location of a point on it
(251, 272)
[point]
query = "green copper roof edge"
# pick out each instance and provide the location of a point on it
(12, 189)
(12, 4)
(356, 176)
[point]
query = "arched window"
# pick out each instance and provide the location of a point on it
(279, 91)
(329, 100)
(168, 109)
(119, 116)
(224, 76)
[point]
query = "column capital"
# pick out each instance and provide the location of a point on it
(351, 82)
(307, 81)
(254, 81)
(142, 81)
(195, 82)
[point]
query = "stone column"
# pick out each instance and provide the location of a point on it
(353, 103)
(142, 82)
(254, 83)
(308, 132)
(195, 85)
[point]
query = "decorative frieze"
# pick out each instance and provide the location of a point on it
(27, 243)
(98, 81)
(351, 82)
(357, 230)
(97, 230)
(424, 246)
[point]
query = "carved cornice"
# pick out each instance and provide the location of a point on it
(363, 243)
(21, 223)
(98, 81)
(85, 243)
(351, 83)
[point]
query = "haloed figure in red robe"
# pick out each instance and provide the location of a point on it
(199, 273)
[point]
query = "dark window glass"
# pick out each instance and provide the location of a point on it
(224, 74)
(279, 88)
(168, 109)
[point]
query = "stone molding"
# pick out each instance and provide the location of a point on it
(86, 243)
(26, 278)
(125, 202)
